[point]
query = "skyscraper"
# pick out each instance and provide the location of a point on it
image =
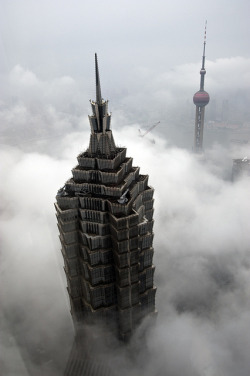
(105, 220)
(200, 99)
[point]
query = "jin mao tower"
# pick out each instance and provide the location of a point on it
(200, 99)
(105, 220)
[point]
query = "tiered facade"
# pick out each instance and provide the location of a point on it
(105, 219)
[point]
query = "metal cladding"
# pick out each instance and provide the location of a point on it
(105, 219)
(200, 99)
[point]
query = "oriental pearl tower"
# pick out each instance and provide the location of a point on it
(200, 99)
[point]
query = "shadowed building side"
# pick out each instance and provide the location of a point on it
(200, 99)
(86, 360)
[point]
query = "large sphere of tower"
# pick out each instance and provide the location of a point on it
(201, 98)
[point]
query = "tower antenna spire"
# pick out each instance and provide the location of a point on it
(204, 46)
(97, 82)
(203, 70)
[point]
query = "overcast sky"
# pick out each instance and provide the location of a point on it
(149, 55)
(59, 37)
(149, 58)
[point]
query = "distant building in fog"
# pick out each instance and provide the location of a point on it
(200, 99)
(240, 167)
(105, 219)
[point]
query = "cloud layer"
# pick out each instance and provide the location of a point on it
(201, 255)
(36, 112)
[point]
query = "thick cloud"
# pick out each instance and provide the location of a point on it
(201, 256)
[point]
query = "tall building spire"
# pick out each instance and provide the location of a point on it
(97, 82)
(200, 99)
(101, 138)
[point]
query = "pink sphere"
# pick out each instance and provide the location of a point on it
(201, 98)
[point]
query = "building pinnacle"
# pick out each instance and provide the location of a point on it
(97, 82)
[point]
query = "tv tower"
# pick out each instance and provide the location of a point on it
(200, 99)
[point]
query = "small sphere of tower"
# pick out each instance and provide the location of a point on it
(201, 98)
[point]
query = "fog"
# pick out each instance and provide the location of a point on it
(149, 72)
(201, 257)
